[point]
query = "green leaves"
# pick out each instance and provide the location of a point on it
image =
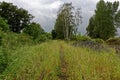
(17, 18)
(3, 61)
(103, 23)
(115, 6)
(3, 25)
(67, 22)
(34, 30)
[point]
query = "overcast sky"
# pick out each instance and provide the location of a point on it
(45, 11)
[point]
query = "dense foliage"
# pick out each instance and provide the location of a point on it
(34, 30)
(3, 60)
(17, 18)
(54, 34)
(3, 25)
(103, 24)
(113, 41)
(67, 21)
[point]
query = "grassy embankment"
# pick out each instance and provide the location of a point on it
(57, 60)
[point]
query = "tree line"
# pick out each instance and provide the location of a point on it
(18, 20)
(103, 24)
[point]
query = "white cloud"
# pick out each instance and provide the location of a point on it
(55, 5)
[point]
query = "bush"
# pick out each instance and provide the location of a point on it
(81, 38)
(101, 41)
(3, 61)
(3, 25)
(43, 37)
(24, 39)
(12, 40)
(0, 40)
(54, 34)
(34, 30)
(113, 41)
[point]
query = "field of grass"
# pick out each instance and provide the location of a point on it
(58, 60)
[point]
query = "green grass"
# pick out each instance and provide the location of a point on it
(43, 62)
(10, 40)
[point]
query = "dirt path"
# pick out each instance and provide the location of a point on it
(63, 65)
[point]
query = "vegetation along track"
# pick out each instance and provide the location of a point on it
(64, 73)
(63, 65)
(58, 60)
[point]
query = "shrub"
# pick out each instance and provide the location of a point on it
(34, 30)
(54, 34)
(113, 41)
(3, 61)
(12, 40)
(101, 41)
(0, 40)
(3, 25)
(24, 39)
(43, 37)
(81, 38)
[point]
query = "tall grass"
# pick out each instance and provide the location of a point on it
(12, 40)
(85, 64)
(43, 62)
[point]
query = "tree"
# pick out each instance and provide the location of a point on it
(59, 28)
(3, 25)
(54, 34)
(33, 30)
(91, 27)
(17, 18)
(67, 22)
(103, 23)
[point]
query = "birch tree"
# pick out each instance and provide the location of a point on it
(69, 18)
